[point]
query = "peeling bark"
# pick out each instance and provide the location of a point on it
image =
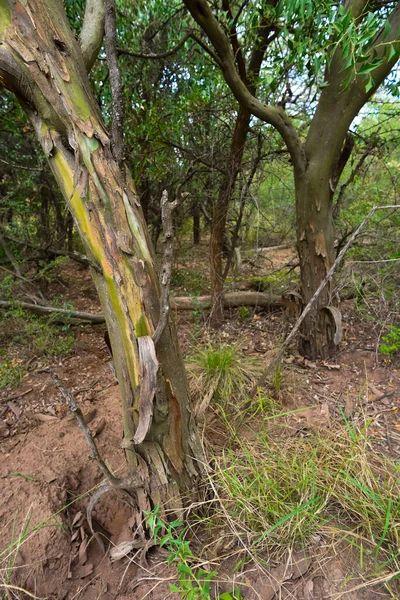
(49, 77)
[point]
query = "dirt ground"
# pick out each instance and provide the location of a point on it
(47, 476)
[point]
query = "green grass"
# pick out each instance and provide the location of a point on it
(223, 370)
(280, 490)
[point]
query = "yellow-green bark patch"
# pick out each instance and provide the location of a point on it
(5, 16)
(92, 143)
(141, 327)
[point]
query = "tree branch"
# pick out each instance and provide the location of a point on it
(236, 47)
(91, 36)
(167, 209)
(272, 115)
(377, 50)
(152, 56)
(117, 91)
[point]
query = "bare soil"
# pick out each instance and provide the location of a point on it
(47, 476)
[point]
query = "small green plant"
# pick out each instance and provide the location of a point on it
(11, 372)
(393, 341)
(47, 338)
(278, 379)
(194, 582)
(244, 313)
(50, 270)
(189, 280)
(197, 316)
(8, 556)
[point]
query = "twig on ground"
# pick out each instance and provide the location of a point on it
(62, 314)
(15, 396)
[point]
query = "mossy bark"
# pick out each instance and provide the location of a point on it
(42, 63)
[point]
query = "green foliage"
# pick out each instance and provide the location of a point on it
(194, 581)
(47, 339)
(41, 335)
(11, 371)
(393, 341)
(244, 313)
(189, 280)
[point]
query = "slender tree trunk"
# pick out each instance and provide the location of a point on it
(70, 232)
(221, 212)
(315, 243)
(196, 224)
(42, 63)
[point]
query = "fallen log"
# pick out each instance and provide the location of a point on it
(231, 300)
(61, 315)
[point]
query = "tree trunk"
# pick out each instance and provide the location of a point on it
(40, 61)
(221, 212)
(196, 224)
(315, 243)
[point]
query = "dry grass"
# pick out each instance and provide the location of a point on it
(279, 492)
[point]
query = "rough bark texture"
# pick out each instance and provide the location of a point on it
(40, 61)
(316, 253)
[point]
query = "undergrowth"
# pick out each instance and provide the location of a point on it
(279, 490)
(194, 582)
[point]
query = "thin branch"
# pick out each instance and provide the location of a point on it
(14, 166)
(275, 116)
(345, 185)
(236, 46)
(80, 419)
(313, 300)
(132, 480)
(92, 33)
(154, 56)
(10, 256)
(243, 196)
(207, 48)
(117, 90)
(167, 209)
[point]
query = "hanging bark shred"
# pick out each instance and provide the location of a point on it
(337, 318)
(148, 383)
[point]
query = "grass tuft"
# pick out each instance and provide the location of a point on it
(223, 371)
